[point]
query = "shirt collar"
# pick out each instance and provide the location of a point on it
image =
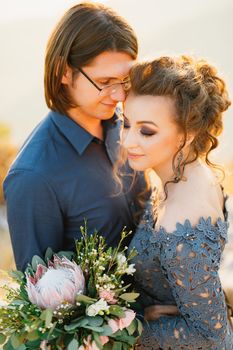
(79, 137)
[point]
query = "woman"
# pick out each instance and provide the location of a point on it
(172, 117)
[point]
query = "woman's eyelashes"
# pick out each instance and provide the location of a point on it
(147, 132)
(144, 131)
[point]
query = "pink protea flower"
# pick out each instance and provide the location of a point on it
(108, 296)
(60, 282)
(123, 322)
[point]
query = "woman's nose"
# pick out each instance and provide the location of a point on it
(129, 139)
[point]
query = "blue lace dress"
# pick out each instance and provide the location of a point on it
(181, 268)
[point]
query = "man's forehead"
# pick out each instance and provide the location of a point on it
(111, 64)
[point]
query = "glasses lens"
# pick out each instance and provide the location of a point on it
(114, 88)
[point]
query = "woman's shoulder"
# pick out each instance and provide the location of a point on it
(198, 197)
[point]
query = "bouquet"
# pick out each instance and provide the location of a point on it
(73, 301)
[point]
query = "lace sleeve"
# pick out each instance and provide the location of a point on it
(190, 260)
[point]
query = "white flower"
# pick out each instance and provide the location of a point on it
(94, 309)
(130, 269)
(102, 304)
(121, 259)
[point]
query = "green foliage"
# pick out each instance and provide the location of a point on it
(129, 297)
(24, 325)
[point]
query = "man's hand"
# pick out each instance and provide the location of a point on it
(153, 312)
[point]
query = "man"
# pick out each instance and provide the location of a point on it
(63, 173)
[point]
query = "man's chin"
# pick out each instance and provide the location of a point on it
(107, 114)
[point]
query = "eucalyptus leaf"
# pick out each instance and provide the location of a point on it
(18, 275)
(97, 340)
(47, 316)
(54, 334)
(36, 260)
(33, 335)
(116, 311)
(2, 338)
(67, 254)
(73, 345)
(15, 341)
(51, 333)
(117, 346)
(81, 298)
(19, 302)
(132, 327)
(59, 348)
(48, 254)
(29, 270)
(140, 327)
(23, 293)
(34, 344)
(22, 347)
(126, 347)
(124, 337)
(94, 329)
(95, 321)
(107, 330)
(72, 326)
(107, 346)
(8, 346)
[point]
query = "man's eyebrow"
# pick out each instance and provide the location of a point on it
(126, 78)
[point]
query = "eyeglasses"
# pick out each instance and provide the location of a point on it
(109, 89)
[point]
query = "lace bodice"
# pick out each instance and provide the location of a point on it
(181, 268)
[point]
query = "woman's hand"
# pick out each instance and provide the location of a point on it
(153, 312)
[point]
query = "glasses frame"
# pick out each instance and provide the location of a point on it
(101, 89)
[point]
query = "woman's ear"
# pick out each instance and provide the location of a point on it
(67, 76)
(189, 139)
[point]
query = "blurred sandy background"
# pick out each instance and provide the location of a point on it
(202, 28)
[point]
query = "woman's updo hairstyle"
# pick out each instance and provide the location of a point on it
(199, 94)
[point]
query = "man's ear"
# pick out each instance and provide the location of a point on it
(67, 76)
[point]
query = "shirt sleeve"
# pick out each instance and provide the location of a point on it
(34, 216)
(190, 265)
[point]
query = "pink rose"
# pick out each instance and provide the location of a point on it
(104, 339)
(108, 296)
(123, 322)
(89, 344)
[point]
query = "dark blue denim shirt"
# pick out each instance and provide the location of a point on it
(61, 176)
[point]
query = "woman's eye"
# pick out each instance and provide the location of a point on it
(147, 132)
